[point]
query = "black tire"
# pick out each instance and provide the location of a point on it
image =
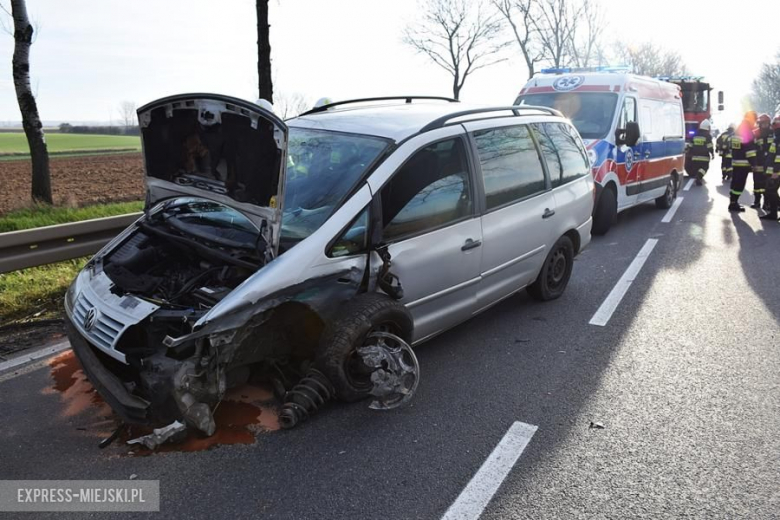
(606, 212)
(336, 356)
(666, 200)
(555, 273)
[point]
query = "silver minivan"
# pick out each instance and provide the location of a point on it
(313, 253)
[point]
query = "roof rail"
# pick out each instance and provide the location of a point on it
(407, 99)
(680, 78)
(515, 109)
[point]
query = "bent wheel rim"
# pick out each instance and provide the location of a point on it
(357, 373)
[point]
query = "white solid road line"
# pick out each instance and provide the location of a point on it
(475, 497)
(602, 316)
(688, 186)
(33, 356)
(670, 214)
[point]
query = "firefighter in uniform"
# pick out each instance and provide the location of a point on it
(772, 164)
(764, 139)
(724, 149)
(700, 152)
(743, 153)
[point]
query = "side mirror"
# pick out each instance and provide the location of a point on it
(629, 135)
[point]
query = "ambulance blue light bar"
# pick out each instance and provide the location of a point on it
(569, 70)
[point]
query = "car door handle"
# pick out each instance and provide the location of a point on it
(471, 244)
(647, 154)
(548, 213)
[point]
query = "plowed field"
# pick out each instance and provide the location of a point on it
(76, 181)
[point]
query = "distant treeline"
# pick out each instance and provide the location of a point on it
(67, 128)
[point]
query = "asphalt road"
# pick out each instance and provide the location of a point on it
(683, 378)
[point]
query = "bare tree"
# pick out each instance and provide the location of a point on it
(587, 41)
(765, 94)
(648, 59)
(264, 84)
(459, 36)
(127, 114)
(556, 23)
(31, 121)
(558, 33)
(291, 105)
(519, 14)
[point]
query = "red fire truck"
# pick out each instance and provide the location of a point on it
(696, 101)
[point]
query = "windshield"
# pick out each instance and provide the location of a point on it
(591, 113)
(696, 99)
(322, 168)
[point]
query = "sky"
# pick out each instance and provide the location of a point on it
(90, 55)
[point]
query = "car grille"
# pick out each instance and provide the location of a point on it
(105, 330)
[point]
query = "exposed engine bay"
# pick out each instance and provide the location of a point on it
(174, 269)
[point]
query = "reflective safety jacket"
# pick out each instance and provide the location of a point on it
(763, 144)
(701, 147)
(773, 158)
(743, 147)
(723, 144)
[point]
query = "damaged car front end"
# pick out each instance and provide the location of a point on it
(233, 271)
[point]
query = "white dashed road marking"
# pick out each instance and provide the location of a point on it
(33, 356)
(475, 497)
(688, 186)
(670, 214)
(602, 316)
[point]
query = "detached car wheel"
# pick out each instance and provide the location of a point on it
(556, 271)
(337, 355)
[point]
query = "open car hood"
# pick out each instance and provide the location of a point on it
(220, 148)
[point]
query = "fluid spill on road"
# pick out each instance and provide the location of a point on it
(76, 392)
(242, 414)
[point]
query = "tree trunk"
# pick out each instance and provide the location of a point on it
(265, 86)
(31, 121)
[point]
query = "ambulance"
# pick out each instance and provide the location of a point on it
(633, 128)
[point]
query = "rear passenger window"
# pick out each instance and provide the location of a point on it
(566, 159)
(511, 168)
(430, 191)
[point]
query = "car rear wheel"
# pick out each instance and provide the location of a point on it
(606, 212)
(555, 273)
(667, 199)
(337, 355)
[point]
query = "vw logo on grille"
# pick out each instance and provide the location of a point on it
(90, 318)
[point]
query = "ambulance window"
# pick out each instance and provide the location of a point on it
(628, 113)
(673, 116)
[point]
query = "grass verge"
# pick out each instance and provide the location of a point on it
(39, 216)
(36, 293)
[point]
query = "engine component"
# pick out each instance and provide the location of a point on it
(396, 369)
(308, 396)
(174, 431)
(210, 295)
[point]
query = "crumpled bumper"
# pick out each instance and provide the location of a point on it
(131, 408)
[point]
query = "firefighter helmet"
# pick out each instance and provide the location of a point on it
(705, 125)
(776, 122)
(763, 119)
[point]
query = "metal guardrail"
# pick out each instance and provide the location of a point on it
(50, 244)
